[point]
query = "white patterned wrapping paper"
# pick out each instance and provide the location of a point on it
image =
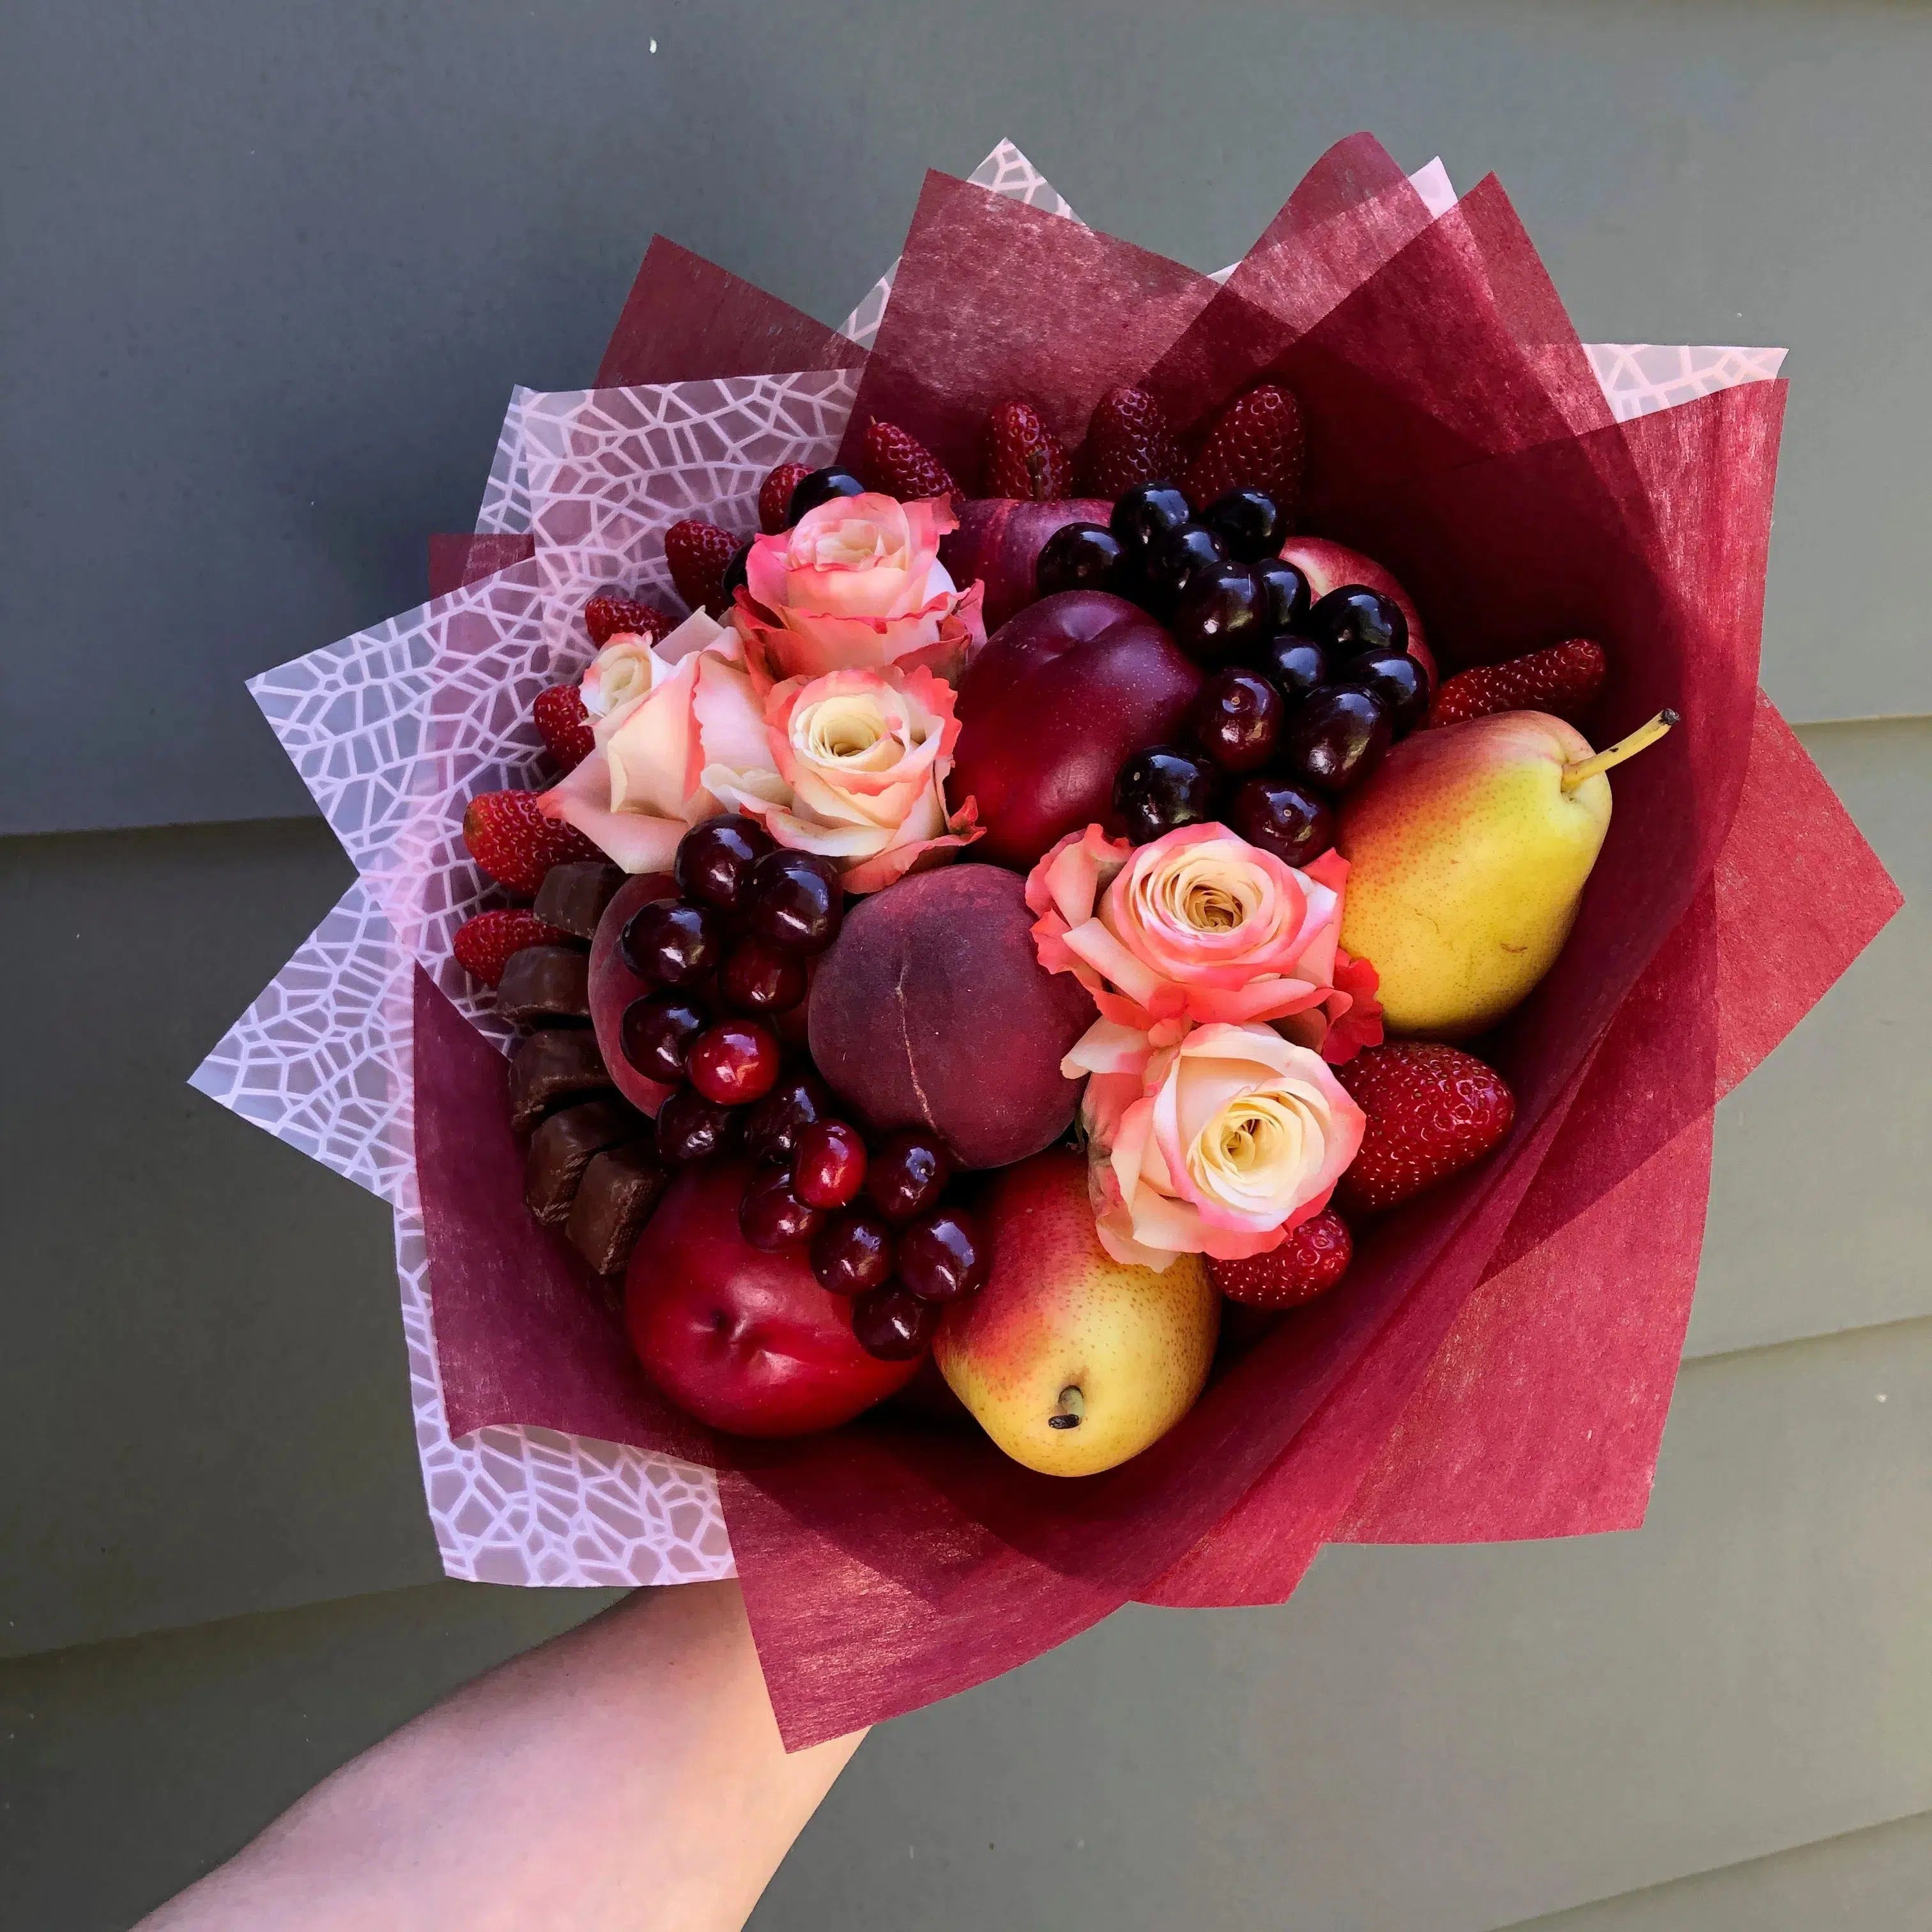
(394, 728)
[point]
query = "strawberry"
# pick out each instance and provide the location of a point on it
(1563, 680)
(1019, 456)
(513, 840)
(1128, 443)
(1313, 1258)
(1255, 444)
(563, 724)
(774, 497)
(610, 611)
(699, 554)
(1432, 1111)
(897, 464)
(483, 945)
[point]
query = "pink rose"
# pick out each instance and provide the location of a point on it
(864, 756)
(1348, 1020)
(687, 739)
(1199, 924)
(857, 583)
(1212, 1140)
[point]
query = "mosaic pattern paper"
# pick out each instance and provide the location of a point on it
(394, 728)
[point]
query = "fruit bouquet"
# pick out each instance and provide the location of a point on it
(1046, 950)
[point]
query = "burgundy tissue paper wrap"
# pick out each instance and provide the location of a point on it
(1500, 1359)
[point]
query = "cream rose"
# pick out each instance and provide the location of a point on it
(1211, 1140)
(865, 754)
(857, 583)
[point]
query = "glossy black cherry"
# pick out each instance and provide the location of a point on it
(852, 1253)
(794, 900)
(1236, 718)
(1336, 737)
(1399, 681)
(1220, 615)
(1171, 562)
(772, 1125)
(1288, 592)
(771, 1215)
(1294, 665)
(690, 1127)
(1079, 556)
(1353, 622)
(1160, 789)
(821, 487)
(943, 1256)
(656, 1032)
(1248, 522)
(672, 941)
(894, 1325)
(715, 857)
(907, 1174)
(757, 977)
(1293, 821)
(1146, 513)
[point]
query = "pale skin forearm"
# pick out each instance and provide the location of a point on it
(625, 1777)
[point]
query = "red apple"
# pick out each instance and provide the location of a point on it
(1327, 566)
(613, 986)
(746, 1342)
(999, 541)
(1059, 699)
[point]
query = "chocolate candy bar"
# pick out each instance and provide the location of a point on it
(573, 895)
(553, 1065)
(544, 985)
(620, 1189)
(564, 1146)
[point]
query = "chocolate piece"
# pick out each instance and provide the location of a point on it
(562, 1147)
(545, 984)
(620, 1189)
(553, 1065)
(573, 895)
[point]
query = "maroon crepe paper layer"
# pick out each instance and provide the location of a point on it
(459, 557)
(994, 300)
(685, 319)
(893, 1562)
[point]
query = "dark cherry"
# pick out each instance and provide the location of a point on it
(1287, 590)
(734, 576)
(1158, 789)
(852, 1254)
(821, 487)
(1145, 514)
(690, 1127)
(758, 978)
(795, 900)
(1248, 522)
(828, 1164)
(734, 1062)
(1295, 665)
(773, 1124)
(657, 1032)
(1079, 556)
(771, 1215)
(672, 942)
(1399, 681)
(1172, 560)
(716, 856)
(1221, 613)
(1281, 817)
(1352, 622)
(943, 1256)
(1336, 736)
(1236, 718)
(895, 1325)
(907, 1174)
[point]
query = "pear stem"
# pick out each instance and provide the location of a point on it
(1645, 735)
(1072, 1408)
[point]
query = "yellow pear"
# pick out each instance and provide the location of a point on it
(1071, 1362)
(1468, 851)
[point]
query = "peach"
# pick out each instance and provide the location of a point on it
(1052, 707)
(999, 541)
(932, 1009)
(1327, 566)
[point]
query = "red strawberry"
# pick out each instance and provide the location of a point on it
(1563, 680)
(610, 611)
(897, 464)
(774, 497)
(1313, 1258)
(699, 554)
(1255, 444)
(563, 724)
(483, 945)
(1019, 456)
(1128, 443)
(1432, 1110)
(515, 843)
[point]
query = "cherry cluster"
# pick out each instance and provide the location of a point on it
(1304, 694)
(726, 958)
